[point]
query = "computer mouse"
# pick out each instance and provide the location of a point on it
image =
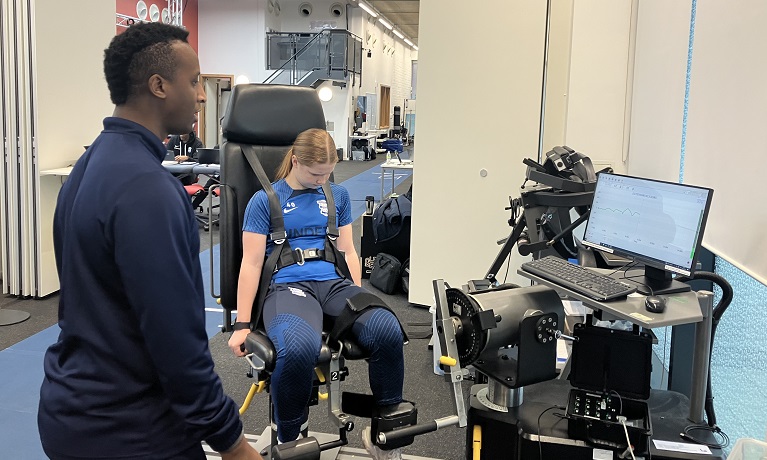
(655, 303)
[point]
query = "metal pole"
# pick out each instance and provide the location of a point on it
(701, 359)
(543, 83)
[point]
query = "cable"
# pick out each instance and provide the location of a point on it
(508, 263)
(714, 430)
(540, 449)
(622, 419)
(633, 278)
(623, 267)
(620, 400)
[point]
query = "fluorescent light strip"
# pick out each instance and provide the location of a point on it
(385, 23)
(415, 47)
(409, 42)
(398, 33)
(369, 10)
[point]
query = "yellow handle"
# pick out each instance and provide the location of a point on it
(477, 442)
(447, 360)
(248, 398)
(261, 386)
(218, 300)
(322, 396)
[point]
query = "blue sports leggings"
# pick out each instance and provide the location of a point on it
(293, 314)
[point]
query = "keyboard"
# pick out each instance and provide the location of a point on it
(579, 279)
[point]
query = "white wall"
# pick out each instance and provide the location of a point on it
(232, 38)
(470, 119)
(597, 94)
(660, 63)
(557, 75)
(67, 87)
(293, 21)
(392, 70)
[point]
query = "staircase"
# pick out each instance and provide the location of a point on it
(308, 59)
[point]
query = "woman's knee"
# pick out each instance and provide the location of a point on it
(294, 340)
(382, 329)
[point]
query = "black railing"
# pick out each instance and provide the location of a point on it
(331, 54)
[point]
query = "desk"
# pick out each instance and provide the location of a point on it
(207, 169)
(184, 167)
(682, 308)
(392, 165)
(57, 171)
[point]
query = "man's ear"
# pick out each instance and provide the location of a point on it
(156, 86)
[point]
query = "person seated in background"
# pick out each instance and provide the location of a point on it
(186, 145)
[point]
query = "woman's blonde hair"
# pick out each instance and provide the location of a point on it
(313, 146)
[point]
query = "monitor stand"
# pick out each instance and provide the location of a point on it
(656, 282)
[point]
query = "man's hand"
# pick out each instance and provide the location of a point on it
(237, 340)
(242, 451)
(181, 158)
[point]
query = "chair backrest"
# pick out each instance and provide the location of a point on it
(207, 156)
(269, 118)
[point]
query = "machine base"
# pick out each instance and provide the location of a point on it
(515, 434)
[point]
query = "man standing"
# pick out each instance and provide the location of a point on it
(131, 375)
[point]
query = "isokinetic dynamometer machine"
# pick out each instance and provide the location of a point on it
(507, 334)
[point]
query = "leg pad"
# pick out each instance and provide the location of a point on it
(392, 418)
(301, 449)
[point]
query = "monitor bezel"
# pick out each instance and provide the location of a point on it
(647, 260)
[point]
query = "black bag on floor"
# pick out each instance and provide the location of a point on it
(386, 273)
(406, 276)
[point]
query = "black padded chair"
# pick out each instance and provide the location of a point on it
(269, 118)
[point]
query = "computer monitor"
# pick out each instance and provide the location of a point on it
(659, 224)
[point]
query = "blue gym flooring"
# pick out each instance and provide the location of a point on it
(21, 365)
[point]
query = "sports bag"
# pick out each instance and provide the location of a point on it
(386, 273)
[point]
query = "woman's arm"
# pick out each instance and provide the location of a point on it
(346, 244)
(253, 253)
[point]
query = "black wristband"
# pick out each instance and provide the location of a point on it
(239, 325)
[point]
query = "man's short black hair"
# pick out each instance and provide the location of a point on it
(143, 50)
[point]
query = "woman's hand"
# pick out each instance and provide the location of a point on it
(237, 340)
(181, 158)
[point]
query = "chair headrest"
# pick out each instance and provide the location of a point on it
(261, 114)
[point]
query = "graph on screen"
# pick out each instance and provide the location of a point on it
(653, 219)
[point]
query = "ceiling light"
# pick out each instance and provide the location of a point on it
(415, 47)
(369, 10)
(384, 23)
(408, 42)
(398, 33)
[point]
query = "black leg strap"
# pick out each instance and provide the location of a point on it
(355, 307)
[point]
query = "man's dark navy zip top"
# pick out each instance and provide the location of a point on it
(131, 375)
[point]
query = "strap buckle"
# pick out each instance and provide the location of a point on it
(332, 236)
(300, 254)
(278, 237)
